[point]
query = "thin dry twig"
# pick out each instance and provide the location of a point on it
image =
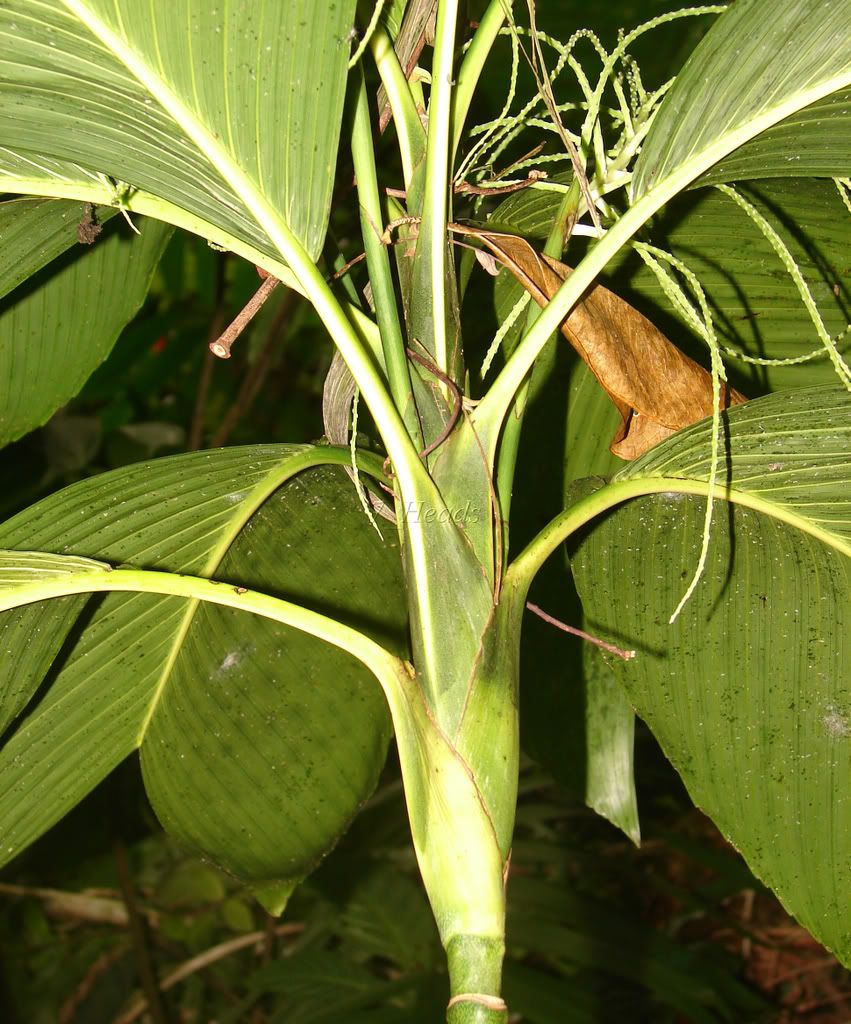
(611, 648)
(139, 936)
(542, 78)
(533, 152)
(68, 1009)
(253, 380)
(346, 267)
(456, 405)
(464, 188)
(202, 960)
(222, 345)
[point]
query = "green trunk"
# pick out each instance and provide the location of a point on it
(459, 746)
(475, 972)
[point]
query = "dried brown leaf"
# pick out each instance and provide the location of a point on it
(656, 388)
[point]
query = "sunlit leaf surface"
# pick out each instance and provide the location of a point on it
(230, 112)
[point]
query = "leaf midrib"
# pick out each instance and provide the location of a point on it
(750, 128)
(216, 155)
(637, 487)
(288, 468)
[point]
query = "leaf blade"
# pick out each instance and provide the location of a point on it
(765, 62)
(183, 515)
(58, 326)
(181, 114)
(813, 142)
(747, 692)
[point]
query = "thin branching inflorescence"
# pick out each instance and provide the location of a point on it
(704, 325)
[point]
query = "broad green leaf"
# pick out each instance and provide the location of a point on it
(31, 637)
(38, 175)
(748, 691)
(591, 423)
(34, 232)
(610, 737)
(758, 65)
(57, 326)
(230, 115)
(227, 486)
(609, 718)
(529, 213)
(25, 661)
(263, 742)
(248, 731)
(23, 568)
(813, 142)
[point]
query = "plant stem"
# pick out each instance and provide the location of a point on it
(431, 243)
(523, 569)
(473, 63)
(409, 129)
(378, 263)
(510, 443)
(475, 971)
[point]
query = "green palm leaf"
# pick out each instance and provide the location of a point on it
(229, 115)
(748, 692)
(258, 742)
(57, 326)
(764, 62)
(812, 142)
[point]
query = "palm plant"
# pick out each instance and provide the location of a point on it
(229, 613)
